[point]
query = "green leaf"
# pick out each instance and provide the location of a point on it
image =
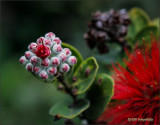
(145, 34)
(69, 111)
(105, 60)
(75, 53)
(99, 95)
(139, 19)
(110, 57)
(85, 75)
(155, 22)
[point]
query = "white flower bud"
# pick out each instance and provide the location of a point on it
(50, 35)
(55, 61)
(72, 60)
(36, 69)
(62, 57)
(67, 52)
(48, 42)
(29, 67)
(23, 60)
(84, 122)
(32, 47)
(64, 68)
(57, 41)
(35, 60)
(45, 62)
(28, 54)
(52, 70)
(57, 48)
(43, 74)
(40, 40)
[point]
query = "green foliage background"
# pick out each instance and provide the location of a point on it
(24, 99)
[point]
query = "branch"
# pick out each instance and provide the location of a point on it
(67, 88)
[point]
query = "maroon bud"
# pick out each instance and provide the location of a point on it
(69, 122)
(74, 91)
(57, 117)
(87, 72)
(99, 81)
(102, 48)
(60, 87)
(74, 79)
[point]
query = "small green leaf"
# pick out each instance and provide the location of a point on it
(145, 34)
(139, 19)
(99, 95)
(69, 111)
(75, 53)
(85, 75)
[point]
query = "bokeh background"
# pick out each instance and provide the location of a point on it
(23, 98)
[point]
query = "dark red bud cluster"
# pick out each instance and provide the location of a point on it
(108, 26)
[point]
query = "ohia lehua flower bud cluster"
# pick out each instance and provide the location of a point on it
(46, 58)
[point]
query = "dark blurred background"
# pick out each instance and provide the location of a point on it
(24, 99)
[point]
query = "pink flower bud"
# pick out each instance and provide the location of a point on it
(43, 74)
(55, 61)
(29, 67)
(32, 47)
(36, 69)
(57, 48)
(40, 40)
(23, 60)
(45, 62)
(57, 40)
(52, 70)
(67, 52)
(28, 54)
(50, 35)
(48, 42)
(64, 68)
(35, 60)
(62, 57)
(72, 60)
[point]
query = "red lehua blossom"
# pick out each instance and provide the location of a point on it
(136, 89)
